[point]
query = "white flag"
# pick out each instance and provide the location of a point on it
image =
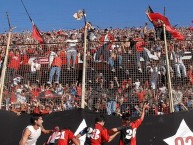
(80, 128)
(79, 15)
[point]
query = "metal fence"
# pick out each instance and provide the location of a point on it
(120, 77)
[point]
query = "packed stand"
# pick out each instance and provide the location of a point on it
(125, 68)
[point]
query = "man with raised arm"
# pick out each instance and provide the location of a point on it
(32, 132)
(128, 129)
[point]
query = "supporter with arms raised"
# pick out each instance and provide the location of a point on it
(128, 129)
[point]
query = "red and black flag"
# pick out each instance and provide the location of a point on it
(149, 11)
(157, 17)
(36, 34)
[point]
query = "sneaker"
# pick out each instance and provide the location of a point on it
(68, 68)
(120, 67)
(73, 67)
(113, 70)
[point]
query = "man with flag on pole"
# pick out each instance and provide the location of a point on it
(158, 20)
(158, 25)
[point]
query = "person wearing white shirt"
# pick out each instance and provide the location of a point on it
(32, 132)
(178, 62)
(35, 70)
(71, 50)
(137, 84)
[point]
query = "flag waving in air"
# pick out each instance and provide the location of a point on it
(157, 17)
(36, 34)
(149, 11)
(78, 15)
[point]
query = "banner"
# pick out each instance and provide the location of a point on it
(171, 129)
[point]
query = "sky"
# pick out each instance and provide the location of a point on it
(58, 14)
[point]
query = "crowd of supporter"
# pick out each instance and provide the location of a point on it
(135, 51)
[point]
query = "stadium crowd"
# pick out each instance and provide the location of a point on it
(126, 68)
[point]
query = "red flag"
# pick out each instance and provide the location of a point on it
(157, 16)
(36, 34)
(148, 11)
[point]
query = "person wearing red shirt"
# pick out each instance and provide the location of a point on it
(100, 134)
(140, 51)
(140, 94)
(14, 63)
(55, 67)
(66, 136)
(129, 129)
(46, 110)
(106, 42)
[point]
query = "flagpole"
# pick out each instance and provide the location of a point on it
(168, 72)
(44, 44)
(164, 11)
(84, 64)
(5, 62)
(8, 20)
(26, 11)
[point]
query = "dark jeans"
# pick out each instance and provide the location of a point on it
(103, 51)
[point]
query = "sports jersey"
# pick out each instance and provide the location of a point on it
(65, 137)
(128, 134)
(99, 135)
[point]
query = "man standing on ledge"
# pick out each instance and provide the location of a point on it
(106, 41)
(32, 132)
